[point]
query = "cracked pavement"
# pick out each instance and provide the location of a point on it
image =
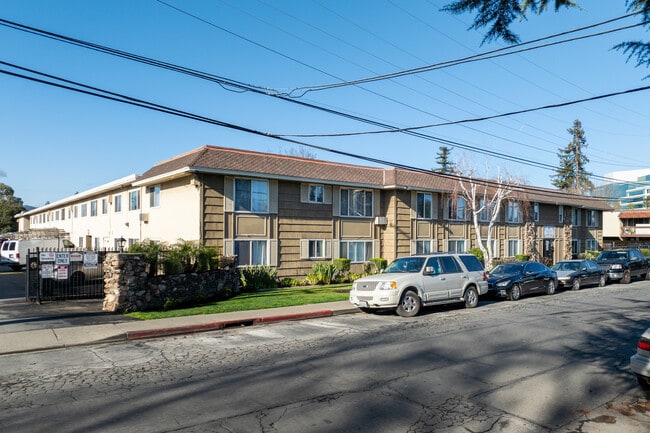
(543, 364)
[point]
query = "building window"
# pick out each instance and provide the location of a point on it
(356, 251)
(134, 200)
(575, 246)
(154, 196)
(104, 206)
(560, 214)
(76, 211)
(513, 247)
(316, 194)
(575, 217)
(84, 210)
(591, 245)
(356, 203)
(456, 208)
(456, 245)
(591, 218)
(93, 208)
(494, 246)
(423, 247)
(485, 215)
(424, 205)
(117, 199)
(512, 212)
(251, 195)
(536, 212)
(251, 253)
(316, 249)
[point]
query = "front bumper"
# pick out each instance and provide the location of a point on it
(615, 275)
(375, 299)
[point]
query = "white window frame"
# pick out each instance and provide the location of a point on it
(84, 210)
(316, 193)
(424, 205)
(423, 246)
(104, 206)
(591, 245)
(359, 204)
(536, 212)
(454, 211)
(368, 247)
(513, 244)
(456, 243)
(117, 200)
(260, 243)
(591, 218)
(154, 196)
(513, 212)
(93, 208)
(134, 200)
(258, 196)
(316, 249)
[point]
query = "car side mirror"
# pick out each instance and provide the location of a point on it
(428, 270)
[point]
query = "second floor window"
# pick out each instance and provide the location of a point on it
(118, 203)
(356, 202)
(134, 200)
(591, 218)
(560, 214)
(424, 205)
(512, 212)
(154, 196)
(575, 217)
(316, 194)
(251, 195)
(536, 212)
(84, 210)
(93, 208)
(456, 208)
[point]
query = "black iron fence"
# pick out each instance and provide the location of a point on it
(64, 274)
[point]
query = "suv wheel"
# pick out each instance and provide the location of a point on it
(550, 289)
(576, 284)
(515, 293)
(471, 297)
(410, 304)
(626, 277)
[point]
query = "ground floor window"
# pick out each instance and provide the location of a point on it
(456, 245)
(316, 248)
(513, 247)
(592, 245)
(356, 251)
(251, 252)
(575, 246)
(424, 247)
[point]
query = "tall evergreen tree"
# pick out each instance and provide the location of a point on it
(445, 165)
(9, 206)
(571, 175)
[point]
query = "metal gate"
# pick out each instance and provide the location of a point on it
(64, 274)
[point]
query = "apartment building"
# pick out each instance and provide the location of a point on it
(289, 212)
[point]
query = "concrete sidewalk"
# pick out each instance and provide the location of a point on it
(32, 329)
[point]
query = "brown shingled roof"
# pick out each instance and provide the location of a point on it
(229, 160)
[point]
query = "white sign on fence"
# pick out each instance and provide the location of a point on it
(62, 258)
(46, 256)
(90, 260)
(47, 269)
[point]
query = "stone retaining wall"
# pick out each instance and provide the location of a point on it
(127, 286)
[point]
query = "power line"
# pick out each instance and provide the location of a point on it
(117, 97)
(473, 58)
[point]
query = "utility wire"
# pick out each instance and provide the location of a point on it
(117, 97)
(473, 58)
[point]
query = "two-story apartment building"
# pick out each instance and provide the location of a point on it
(289, 212)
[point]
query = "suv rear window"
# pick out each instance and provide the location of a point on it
(471, 263)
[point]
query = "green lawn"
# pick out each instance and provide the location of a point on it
(284, 297)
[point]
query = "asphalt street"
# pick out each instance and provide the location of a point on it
(543, 364)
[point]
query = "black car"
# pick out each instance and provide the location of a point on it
(578, 273)
(512, 280)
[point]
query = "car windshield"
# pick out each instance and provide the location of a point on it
(612, 255)
(508, 268)
(566, 266)
(406, 264)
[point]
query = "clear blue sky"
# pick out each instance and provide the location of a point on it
(55, 142)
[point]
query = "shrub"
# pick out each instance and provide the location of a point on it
(522, 257)
(170, 303)
(207, 258)
(478, 253)
(151, 252)
(254, 278)
(354, 276)
(644, 251)
(322, 273)
(380, 263)
(289, 282)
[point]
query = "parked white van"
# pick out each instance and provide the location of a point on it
(13, 252)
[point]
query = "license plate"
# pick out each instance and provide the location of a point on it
(362, 304)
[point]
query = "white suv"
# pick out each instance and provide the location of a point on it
(411, 282)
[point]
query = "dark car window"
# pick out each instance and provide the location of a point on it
(450, 265)
(592, 266)
(434, 263)
(471, 263)
(508, 268)
(534, 267)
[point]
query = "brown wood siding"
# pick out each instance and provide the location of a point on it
(298, 221)
(403, 224)
(213, 210)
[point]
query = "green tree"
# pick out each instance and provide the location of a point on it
(443, 161)
(498, 15)
(9, 206)
(571, 175)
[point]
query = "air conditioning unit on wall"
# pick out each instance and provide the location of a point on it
(381, 220)
(144, 217)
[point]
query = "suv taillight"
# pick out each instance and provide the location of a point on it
(644, 345)
(484, 276)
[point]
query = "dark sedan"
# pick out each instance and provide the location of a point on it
(513, 280)
(578, 273)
